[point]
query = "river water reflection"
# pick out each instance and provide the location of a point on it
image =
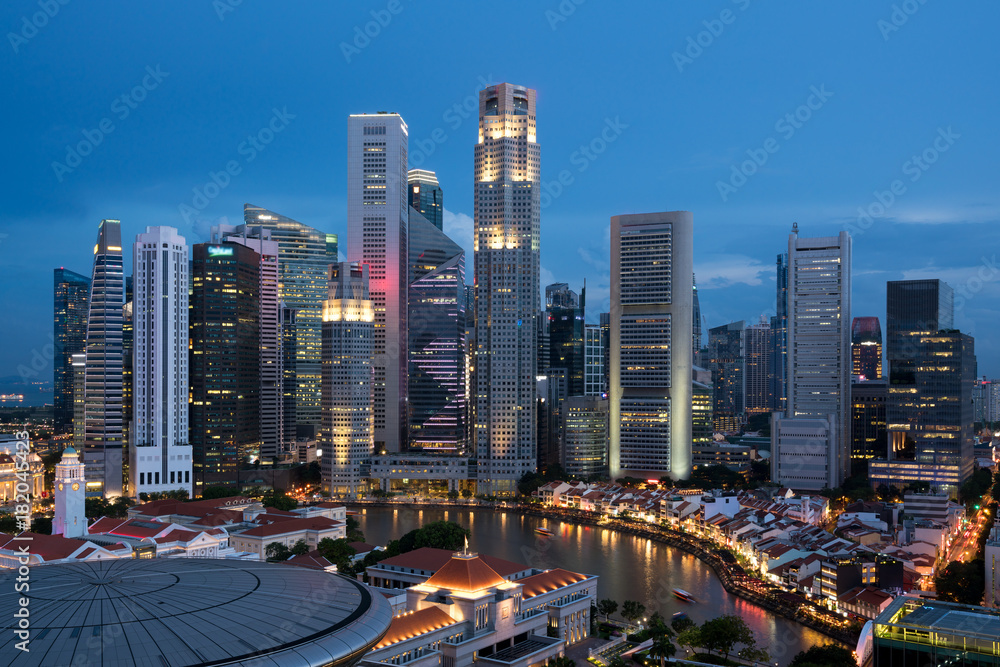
(629, 567)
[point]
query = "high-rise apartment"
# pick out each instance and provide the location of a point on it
(159, 453)
(727, 361)
(377, 214)
(72, 295)
(425, 196)
(437, 390)
(815, 452)
(564, 311)
(103, 410)
(274, 445)
(346, 436)
(304, 253)
(866, 348)
(225, 424)
(651, 335)
(507, 222)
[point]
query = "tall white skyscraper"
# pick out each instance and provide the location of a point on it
(652, 294)
(377, 215)
(507, 223)
(811, 443)
(159, 453)
(346, 436)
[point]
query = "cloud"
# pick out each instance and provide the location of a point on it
(458, 226)
(717, 271)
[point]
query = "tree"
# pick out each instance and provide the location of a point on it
(354, 533)
(439, 535)
(453, 494)
(962, 582)
(632, 611)
(828, 655)
(276, 551)
(561, 661)
(300, 548)
(529, 483)
(41, 525)
(722, 634)
(279, 501)
(682, 623)
(8, 524)
(662, 648)
(219, 491)
(336, 551)
(691, 638)
(607, 607)
(467, 493)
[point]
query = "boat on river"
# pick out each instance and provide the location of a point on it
(681, 594)
(544, 532)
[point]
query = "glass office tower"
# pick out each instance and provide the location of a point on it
(426, 196)
(72, 296)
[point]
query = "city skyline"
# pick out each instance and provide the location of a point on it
(733, 258)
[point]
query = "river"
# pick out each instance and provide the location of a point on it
(629, 567)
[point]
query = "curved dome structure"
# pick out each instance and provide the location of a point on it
(186, 611)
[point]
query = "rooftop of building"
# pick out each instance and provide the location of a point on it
(467, 573)
(429, 559)
(415, 623)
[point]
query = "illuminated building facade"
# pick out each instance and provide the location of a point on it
(701, 413)
(72, 296)
(585, 436)
(816, 454)
(758, 383)
(377, 214)
(159, 452)
(651, 334)
(437, 391)
(103, 444)
(564, 311)
(79, 400)
(304, 253)
(426, 196)
(866, 348)
(507, 223)
(726, 360)
(224, 362)
(919, 631)
(779, 327)
(868, 432)
(593, 361)
(346, 437)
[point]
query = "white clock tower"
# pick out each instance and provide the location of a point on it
(70, 519)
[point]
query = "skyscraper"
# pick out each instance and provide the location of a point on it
(593, 361)
(425, 196)
(103, 438)
(346, 436)
(651, 333)
(507, 223)
(159, 453)
(225, 362)
(565, 313)
(696, 324)
(866, 348)
(868, 430)
(779, 326)
(437, 391)
(304, 253)
(128, 363)
(72, 295)
(727, 362)
(79, 400)
(585, 436)
(811, 444)
(274, 445)
(377, 214)
(758, 383)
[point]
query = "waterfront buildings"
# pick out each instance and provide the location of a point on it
(726, 360)
(377, 215)
(816, 453)
(425, 196)
(564, 313)
(275, 444)
(585, 436)
(651, 334)
(347, 434)
(103, 442)
(225, 362)
(304, 253)
(70, 304)
(437, 313)
(507, 223)
(159, 451)
(866, 348)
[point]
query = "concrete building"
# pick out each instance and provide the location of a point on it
(377, 216)
(71, 305)
(585, 436)
(507, 222)
(593, 361)
(992, 563)
(159, 452)
(103, 443)
(918, 631)
(79, 400)
(651, 334)
(727, 362)
(347, 434)
(816, 454)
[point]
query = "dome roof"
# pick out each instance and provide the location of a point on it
(467, 573)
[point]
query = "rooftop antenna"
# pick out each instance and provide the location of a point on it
(795, 228)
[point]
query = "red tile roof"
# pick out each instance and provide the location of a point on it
(430, 559)
(291, 526)
(545, 582)
(415, 623)
(467, 574)
(312, 560)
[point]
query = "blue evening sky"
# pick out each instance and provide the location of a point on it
(642, 106)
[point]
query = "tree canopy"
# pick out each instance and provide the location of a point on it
(828, 655)
(962, 582)
(279, 501)
(439, 535)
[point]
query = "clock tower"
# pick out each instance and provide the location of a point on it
(70, 519)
